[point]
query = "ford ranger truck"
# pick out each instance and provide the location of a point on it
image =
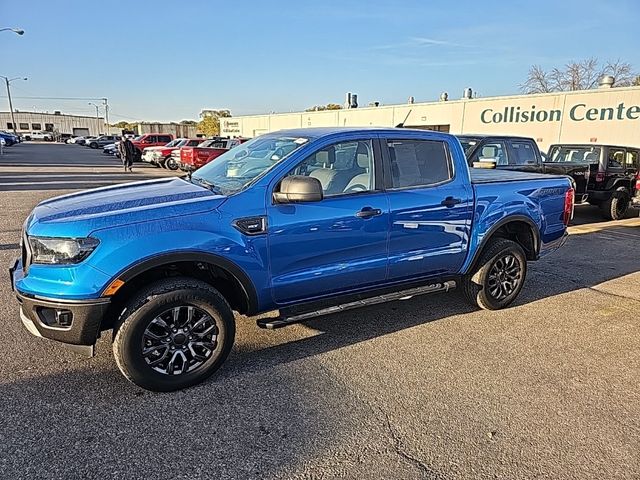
(305, 222)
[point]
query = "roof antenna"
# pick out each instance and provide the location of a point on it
(401, 124)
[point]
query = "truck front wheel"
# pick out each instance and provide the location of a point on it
(498, 276)
(173, 334)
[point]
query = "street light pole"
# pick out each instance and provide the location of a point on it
(106, 115)
(17, 31)
(13, 118)
(97, 113)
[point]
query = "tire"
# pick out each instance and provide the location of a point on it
(170, 163)
(499, 258)
(616, 207)
(149, 320)
(93, 145)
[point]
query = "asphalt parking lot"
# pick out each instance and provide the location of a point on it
(422, 388)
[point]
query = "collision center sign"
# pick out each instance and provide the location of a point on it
(579, 112)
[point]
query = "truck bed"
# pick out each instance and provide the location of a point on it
(490, 175)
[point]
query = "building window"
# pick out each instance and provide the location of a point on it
(36, 126)
(48, 127)
(24, 126)
(9, 126)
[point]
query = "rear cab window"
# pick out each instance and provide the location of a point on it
(524, 153)
(418, 163)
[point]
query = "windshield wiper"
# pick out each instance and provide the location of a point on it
(205, 183)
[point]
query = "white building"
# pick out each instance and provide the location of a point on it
(604, 115)
(57, 122)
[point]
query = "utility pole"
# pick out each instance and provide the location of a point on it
(8, 81)
(106, 115)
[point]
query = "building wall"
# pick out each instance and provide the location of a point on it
(61, 123)
(177, 130)
(604, 116)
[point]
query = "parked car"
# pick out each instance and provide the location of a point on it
(110, 149)
(9, 138)
(150, 140)
(161, 156)
(44, 136)
(614, 177)
(521, 154)
(192, 158)
(102, 140)
(84, 140)
(303, 221)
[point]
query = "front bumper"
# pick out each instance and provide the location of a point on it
(72, 322)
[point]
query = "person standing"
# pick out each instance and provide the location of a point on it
(127, 153)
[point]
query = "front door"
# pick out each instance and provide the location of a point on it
(339, 243)
(430, 207)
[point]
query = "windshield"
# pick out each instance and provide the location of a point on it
(468, 144)
(574, 154)
(237, 168)
(174, 143)
(138, 138)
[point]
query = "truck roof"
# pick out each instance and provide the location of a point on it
(317, 132)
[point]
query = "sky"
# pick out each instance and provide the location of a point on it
(167, 60)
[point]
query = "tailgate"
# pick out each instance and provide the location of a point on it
(186, 155)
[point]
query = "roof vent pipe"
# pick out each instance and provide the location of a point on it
(606, 81)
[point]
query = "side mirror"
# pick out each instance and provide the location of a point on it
(298, 188)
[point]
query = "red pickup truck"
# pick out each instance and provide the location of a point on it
(192, 158)
(162, 156)
(150, 140)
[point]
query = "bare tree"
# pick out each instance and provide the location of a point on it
(582, 75)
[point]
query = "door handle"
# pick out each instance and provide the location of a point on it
(368, 212)
(450, 202)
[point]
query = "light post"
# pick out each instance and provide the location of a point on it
(17, 31)
(97, 112)
(106, 115)
(8, 81)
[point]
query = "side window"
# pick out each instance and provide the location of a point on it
(616, 157)
(492, 152)
(24, 126)
(524, 153)
(36, 126)
(193, 143)
(152, 139)
(164, 138)
(342, 168)
(632, 159)
(418, 163)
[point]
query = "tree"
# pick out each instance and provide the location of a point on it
(328, 106)
(210, 123)
(582, 75)
(188, 122)
(636, 81)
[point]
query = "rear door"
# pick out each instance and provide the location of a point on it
(337, 244)
(430, 208)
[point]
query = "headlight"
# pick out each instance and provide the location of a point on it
(61, 251)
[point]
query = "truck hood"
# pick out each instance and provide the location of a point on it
(79, 214)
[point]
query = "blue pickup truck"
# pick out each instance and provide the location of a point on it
(307, 222)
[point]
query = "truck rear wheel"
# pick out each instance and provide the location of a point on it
(616, 207)
(498, 276)
(176, 333)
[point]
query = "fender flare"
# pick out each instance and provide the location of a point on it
(535, 230)
(249, 290)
